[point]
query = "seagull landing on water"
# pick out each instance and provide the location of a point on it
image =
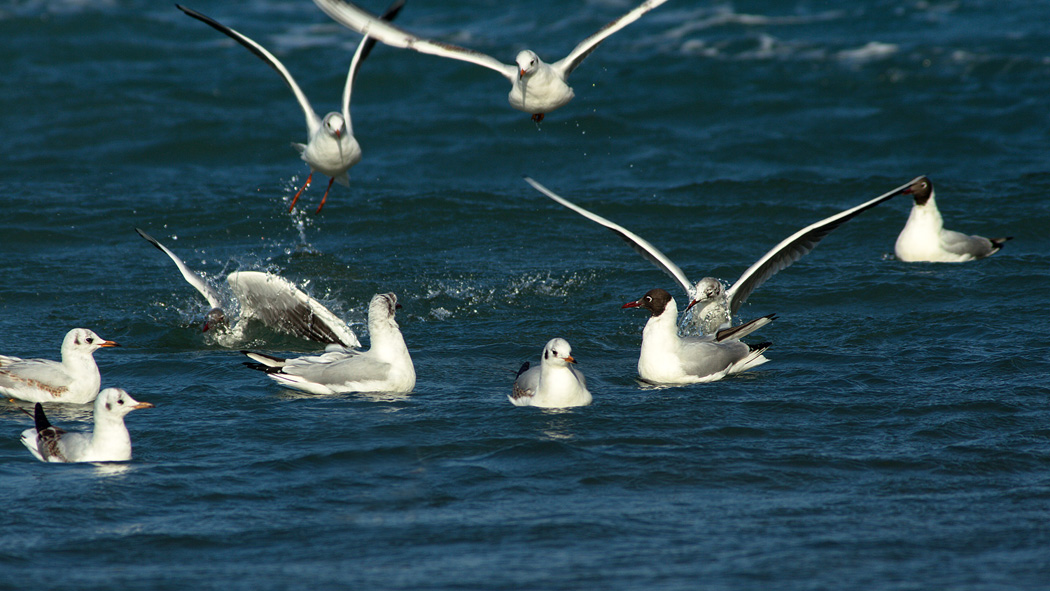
(271, 299)
(331, 148)
(666, 358)
(924, 238)
(108, 442)
(718, 305)
(555, 383)
(74, 380)
(385, 367)
(537, 87)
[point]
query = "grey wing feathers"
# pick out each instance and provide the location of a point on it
(191, 276)
(585, 47)
(636, 242)
(526, 383)
(741, 331)
(794, 247)
(364, 23)
(279, 304)
(312, 121)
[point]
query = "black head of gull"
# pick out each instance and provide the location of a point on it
(655, 300)
(921, 190)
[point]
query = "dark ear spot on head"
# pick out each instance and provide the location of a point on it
(109, 406)
(546, 354)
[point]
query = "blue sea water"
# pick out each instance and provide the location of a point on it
(899, 437)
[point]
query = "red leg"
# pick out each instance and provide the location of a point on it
(537, 117)
(305, 185)
(323, 199)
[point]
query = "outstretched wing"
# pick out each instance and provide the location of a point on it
(313, 122)
(639, 244)
(363, 49)
(569, 63)
(283, 306)
(368, 24)
(191, 277)
(794, 247)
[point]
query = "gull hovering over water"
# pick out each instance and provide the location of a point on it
(537, 87)
(555, 383)
(271, 299)
(109, 442)
(924, 238)
(74, 380)
(385, 367)
(666, 358)
(719, 304)
(331, 148)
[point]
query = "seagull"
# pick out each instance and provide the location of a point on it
(331, 148)
(536, 87)
(109, 442)
(271, 299)
(554, 384)
(719, 304)
(75, 379)
(924, 238)
(386, 367)
(667, 358)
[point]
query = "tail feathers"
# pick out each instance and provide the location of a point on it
(739, 332)
(754, 358)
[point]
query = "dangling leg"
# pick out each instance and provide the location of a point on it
(330, 181)
(537, 117)
(305, 185)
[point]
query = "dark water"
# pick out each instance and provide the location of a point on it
(899, 438)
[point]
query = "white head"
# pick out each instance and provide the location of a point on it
(381, 312)
(558, 353)
(706, 289)
(115, 402)
(527, 61)
(334, 125)
(82, 340)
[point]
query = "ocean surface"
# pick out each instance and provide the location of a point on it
(898, 438)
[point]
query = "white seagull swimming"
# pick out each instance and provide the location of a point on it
(331, 148)
(667, 358)
(385, 367)
(75, 379)
(924, 238)
(537, 87)
(109, 442)
(554, 384)
(720, 305)
(271, 299)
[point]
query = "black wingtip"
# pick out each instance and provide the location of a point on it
(42, 424)
(261, 367)
(760, 347)
(524, 368)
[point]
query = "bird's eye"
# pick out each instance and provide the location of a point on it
(90, 340)
(120, 401)
(555, 352)
(648, 298)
